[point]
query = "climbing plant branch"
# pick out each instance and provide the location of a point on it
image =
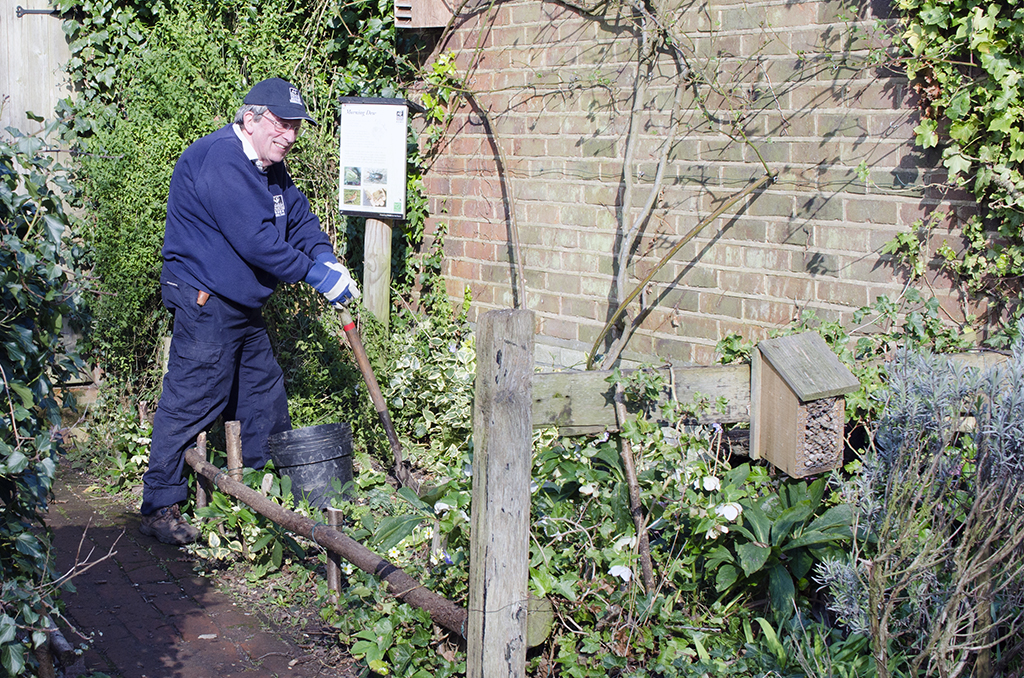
(760, 183)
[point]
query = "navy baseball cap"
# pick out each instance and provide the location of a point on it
(281, 97)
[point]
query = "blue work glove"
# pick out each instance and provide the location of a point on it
(333, 281)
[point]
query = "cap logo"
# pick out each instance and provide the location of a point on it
(294, 96)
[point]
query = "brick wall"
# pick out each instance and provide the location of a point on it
(534, 162)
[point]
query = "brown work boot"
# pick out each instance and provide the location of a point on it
(168, 526)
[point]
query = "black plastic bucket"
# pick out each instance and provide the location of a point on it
(312, 457)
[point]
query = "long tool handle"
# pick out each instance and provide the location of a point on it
(355, 341)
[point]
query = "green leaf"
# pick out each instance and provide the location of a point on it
(927, 133)
(957, 164)
(812, 538)
(726, 576)
(752, 557)
(781, 590)
(24, 392)
(54, 227)
(393, 529)
(785, 523)
(8, 629)
(935, 16)
(759, 524)
(772, 639)
(12, 658)
(838, 516)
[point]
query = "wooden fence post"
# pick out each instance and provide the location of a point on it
(500, 533)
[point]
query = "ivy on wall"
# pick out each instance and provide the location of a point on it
(966, 61)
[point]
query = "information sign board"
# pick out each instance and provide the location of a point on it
(373, 156)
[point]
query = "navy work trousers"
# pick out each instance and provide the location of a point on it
(220, 362)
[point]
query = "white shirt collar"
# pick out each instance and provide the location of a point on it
(250, 152)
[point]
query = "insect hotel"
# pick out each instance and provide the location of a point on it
(797, 406)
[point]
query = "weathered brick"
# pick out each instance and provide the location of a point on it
(871, 211)
(721, 304)
(853, 295)
(767, 259)
(840, 237)
(545, 303)
(818, 264)
(742, 282)
(695, 325)
(820, 208)
(769, 311)
(873, 269)
(771, 204)
(557, 327)
(702, 354)
(789, 287)
(598, 148)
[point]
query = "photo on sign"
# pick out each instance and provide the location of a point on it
(353, 176)
(375, 197)
(352, 196)
(375, 176)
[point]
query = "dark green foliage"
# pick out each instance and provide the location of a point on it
(40, 278)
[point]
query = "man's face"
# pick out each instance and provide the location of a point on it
(271, 138)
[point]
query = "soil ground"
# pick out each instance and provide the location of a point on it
(143, 610)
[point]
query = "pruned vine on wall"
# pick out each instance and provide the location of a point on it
(657, 40)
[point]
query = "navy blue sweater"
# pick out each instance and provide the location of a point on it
(234, 230)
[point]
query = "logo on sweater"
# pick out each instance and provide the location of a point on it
(278, 205)
(294, 96)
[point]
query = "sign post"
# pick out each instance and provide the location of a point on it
(373, 182)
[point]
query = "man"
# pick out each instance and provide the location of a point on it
(236, 226)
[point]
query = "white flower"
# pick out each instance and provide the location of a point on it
(348, 568)
(730, 511)
(715, 531)
(589, 488)
(711, 483)
(440, 508)
(622, 572)
(624, 542)
(393, 553)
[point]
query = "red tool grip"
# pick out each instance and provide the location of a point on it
(348, 327)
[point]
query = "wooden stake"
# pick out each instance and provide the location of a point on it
(333, 559)
(233, 443)
(500, 535)
(203, 488)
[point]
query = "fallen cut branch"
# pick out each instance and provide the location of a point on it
(442, 611)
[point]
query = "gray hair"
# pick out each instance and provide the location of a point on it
(256, 110)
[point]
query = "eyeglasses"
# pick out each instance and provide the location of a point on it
(281, 127)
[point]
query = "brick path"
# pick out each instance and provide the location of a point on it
(151, 615)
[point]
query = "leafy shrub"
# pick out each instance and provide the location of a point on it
(40, 289)
(941, 503)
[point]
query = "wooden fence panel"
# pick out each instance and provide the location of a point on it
(581, 402)
(33, 52)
